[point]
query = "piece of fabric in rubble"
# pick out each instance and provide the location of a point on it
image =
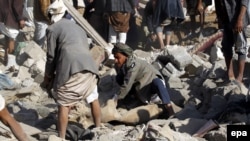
(7, 83)
(76, 132)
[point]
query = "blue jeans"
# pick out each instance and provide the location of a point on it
(160, 88)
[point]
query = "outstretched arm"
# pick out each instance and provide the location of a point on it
(14, 126)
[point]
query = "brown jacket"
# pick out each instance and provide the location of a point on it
(40, 10)
(11, 12)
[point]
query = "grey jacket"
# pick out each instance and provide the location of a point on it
(139, 74)
(68, 51)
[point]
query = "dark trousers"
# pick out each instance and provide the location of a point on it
(160, 88)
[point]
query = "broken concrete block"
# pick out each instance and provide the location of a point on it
(216, 54)
(198, 59)
(12, 62)
(40, 65)
(179, 56)
(23, 73)
(207, 65)
(38, 68)
(98, 53)
(173, 71)
(174, 83)
(27, 82)
(144, 55)
(165, 72)
(217, 71)
(29, 62)
(192, 68)
(209, 84)
(34, 51)
(205, 57)
(157, 65)
(39, 78)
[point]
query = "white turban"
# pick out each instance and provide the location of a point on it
(57, 10)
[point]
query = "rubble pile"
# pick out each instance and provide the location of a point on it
(204, 103)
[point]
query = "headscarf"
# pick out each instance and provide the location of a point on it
(122, 48)
(56, 10)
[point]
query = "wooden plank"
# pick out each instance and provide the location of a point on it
(87, 27)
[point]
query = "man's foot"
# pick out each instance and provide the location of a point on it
(170, 110)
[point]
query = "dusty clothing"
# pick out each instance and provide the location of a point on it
(40, 10)
(11, 12)
(231, 9)
(68, 52)
(78, 87)
(138, 74)
(9, 32)
(167, 9)
(148, 16)
(119, 21)
(125, 6)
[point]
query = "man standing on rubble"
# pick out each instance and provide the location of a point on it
(138, 75)
(11, 20)
(234, 17)
(41, 20)
(70, 65)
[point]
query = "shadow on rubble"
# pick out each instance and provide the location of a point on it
(236, 112)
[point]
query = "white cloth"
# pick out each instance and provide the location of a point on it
(10, 32)
(116, 37)
(93, 96)
(57, 9)
(82, 85)
(40, 32)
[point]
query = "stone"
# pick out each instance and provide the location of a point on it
(216, 54)
(34, 51)
(179, 56)
(157, 65)
(205, 57)
(174, 83)
(29, 62)
(23, 73)
(174, 72)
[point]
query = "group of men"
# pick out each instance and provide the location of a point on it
(74, 74)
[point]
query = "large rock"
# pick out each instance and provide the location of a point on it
(179, 56)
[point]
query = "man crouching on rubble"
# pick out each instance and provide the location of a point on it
(136, 74)
(70, 64)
